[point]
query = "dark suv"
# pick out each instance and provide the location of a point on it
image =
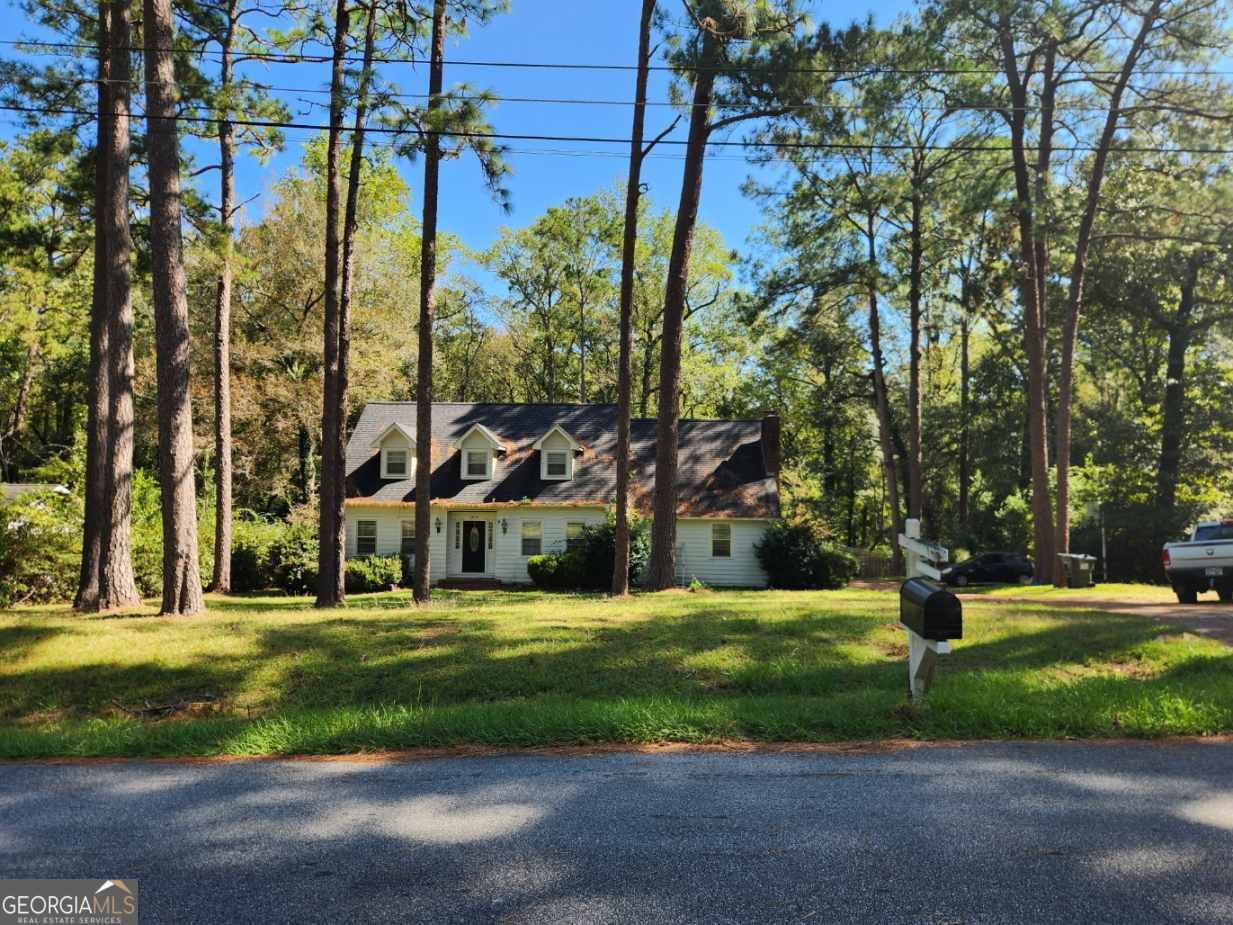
(991, 568)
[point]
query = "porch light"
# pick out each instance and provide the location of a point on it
(504, 525)
(438, 524)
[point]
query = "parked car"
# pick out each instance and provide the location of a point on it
(1204, 562)
(991, 568)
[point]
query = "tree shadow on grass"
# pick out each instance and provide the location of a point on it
(108, 689)
(17, 640)
(1078, 637)
(694, 649)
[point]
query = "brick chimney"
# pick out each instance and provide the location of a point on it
(770, 443)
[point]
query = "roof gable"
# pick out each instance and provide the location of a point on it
(484, 432)
(557, 429)
(392, 428)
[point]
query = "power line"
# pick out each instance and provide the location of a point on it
(600, 139)
(293, 57)
(244, 83)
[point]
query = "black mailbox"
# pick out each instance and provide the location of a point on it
(929, 610)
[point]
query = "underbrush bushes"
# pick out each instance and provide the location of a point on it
(373, 573)
(795, 557)
(587, 566)
(40, 547)
(293, 565)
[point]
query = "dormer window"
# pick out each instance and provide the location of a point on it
(396, 444)
(478, 449)
(557, 453)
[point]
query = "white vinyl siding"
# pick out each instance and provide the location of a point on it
(511, 564)
(388, 520)
(695, 548)
(505, 562)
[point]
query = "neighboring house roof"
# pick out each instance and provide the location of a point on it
(11, 490)
(723, 464)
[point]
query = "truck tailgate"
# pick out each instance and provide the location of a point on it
(1199, 555)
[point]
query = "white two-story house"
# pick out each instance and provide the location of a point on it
(513, 481)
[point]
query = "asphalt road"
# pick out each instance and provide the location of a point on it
(1044, 832)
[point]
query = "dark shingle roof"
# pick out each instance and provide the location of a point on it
(722, 469)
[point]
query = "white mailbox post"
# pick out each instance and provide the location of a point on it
(923, 560)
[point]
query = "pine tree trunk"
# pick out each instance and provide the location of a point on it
(1034, 260)
(97, 383)
(667, 429)
(221, 581)
(885, 437)
(965, 469)
(629, 244)
(330, 578)
(1078, 272)
(428, 309)
(1173, 408)
(117, 584)
(18, 421)
(916, 261)
(338, 541)
(181, 571)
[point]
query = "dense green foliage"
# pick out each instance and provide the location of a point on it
(587, 565)
(911, 211)
(39, 547)
(374, 573)
(796, 558)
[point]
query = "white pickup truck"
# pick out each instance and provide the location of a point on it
(1202, 563)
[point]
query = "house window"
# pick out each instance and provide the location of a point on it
(366, 538)
(532, 537)
(721, 541)
(408, 538)
(395, 464)
(573, 534)
(556, 464)
(477, 464)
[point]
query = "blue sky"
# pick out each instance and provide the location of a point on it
(591, 31)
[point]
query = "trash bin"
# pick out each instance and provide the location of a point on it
(1079, 570)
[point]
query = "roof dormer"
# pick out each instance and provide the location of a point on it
(557, 451)
(396, 444)
(478, 450)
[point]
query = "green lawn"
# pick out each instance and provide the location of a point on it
(270, 675)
